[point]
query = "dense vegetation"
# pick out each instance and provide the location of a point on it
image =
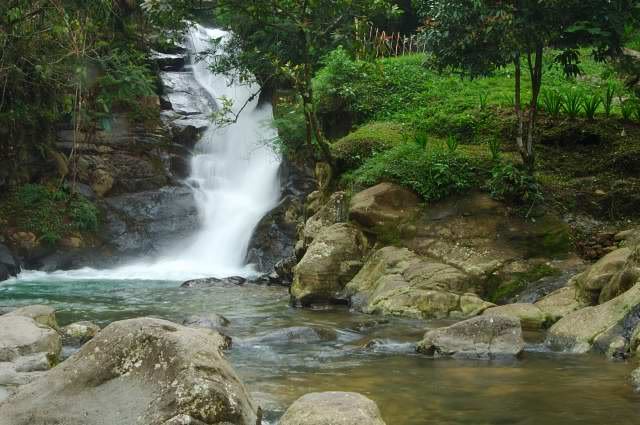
(462, 112)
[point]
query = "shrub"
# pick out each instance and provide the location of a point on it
(352, 151)
(50, 213)
(434, 173)
(510, 183)
(292, 131)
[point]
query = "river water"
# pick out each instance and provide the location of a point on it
(410, 389)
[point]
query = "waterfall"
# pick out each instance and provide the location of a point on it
(234, 177)
(234, 173)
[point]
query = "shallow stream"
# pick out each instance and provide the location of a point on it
(278, 366)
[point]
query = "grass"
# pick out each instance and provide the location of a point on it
(353, 150)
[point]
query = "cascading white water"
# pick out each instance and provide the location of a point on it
(235, 173)
(234, 176)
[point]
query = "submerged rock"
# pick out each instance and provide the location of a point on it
(332, 408)
(599, 326)
(481, 337)
(396, 281)
(295, 334)
(144, 371)
(208, 321)
(78, 333)
(331, 261)
(214, 281)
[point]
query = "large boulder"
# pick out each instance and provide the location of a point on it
(624, 279)
(396, 281)
(597, 327)
(332, 259)
(143, 371)
(335, 210)
(383, 205)
(332, 408)
(42, 314)
(559, 303)
(529, 315)
(23, 336)
(481, 337)
(591, 282)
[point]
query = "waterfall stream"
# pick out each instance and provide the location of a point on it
(234, 178)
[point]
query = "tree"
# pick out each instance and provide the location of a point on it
(283, 41)
(478, 36)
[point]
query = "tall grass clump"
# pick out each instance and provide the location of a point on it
(607, 101)
(591, 105)
(552, 103)
(573, 102)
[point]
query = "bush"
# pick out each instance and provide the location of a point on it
(434, 173)
(352, 151)
(510, 183)
(50, 213)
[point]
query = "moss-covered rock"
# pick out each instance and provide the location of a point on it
(353, 150)
(396, 281)
(332, 259)
(144, 371)
(530, 316)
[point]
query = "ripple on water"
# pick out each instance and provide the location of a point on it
(366, 354)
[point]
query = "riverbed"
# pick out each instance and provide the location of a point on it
(282, 353)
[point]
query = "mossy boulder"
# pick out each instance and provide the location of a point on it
(481, 338)
(332, 259)
(610, 276)
(143, 371)
(396, 281)
(559, 303)
(529, 315)
(383, 206)
(353, 150)
(597, 327)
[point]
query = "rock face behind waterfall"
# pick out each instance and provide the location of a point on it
(140, 371)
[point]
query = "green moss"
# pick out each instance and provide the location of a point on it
(499, 290)
(49, 212)
(353, 150)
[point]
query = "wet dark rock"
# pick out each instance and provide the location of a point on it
(9, 264)
(208, 321)
(214, 281)
(295, 334)
(169, 61)
(284, 269)
(539, 289)
(148, 222)
(275, 236)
